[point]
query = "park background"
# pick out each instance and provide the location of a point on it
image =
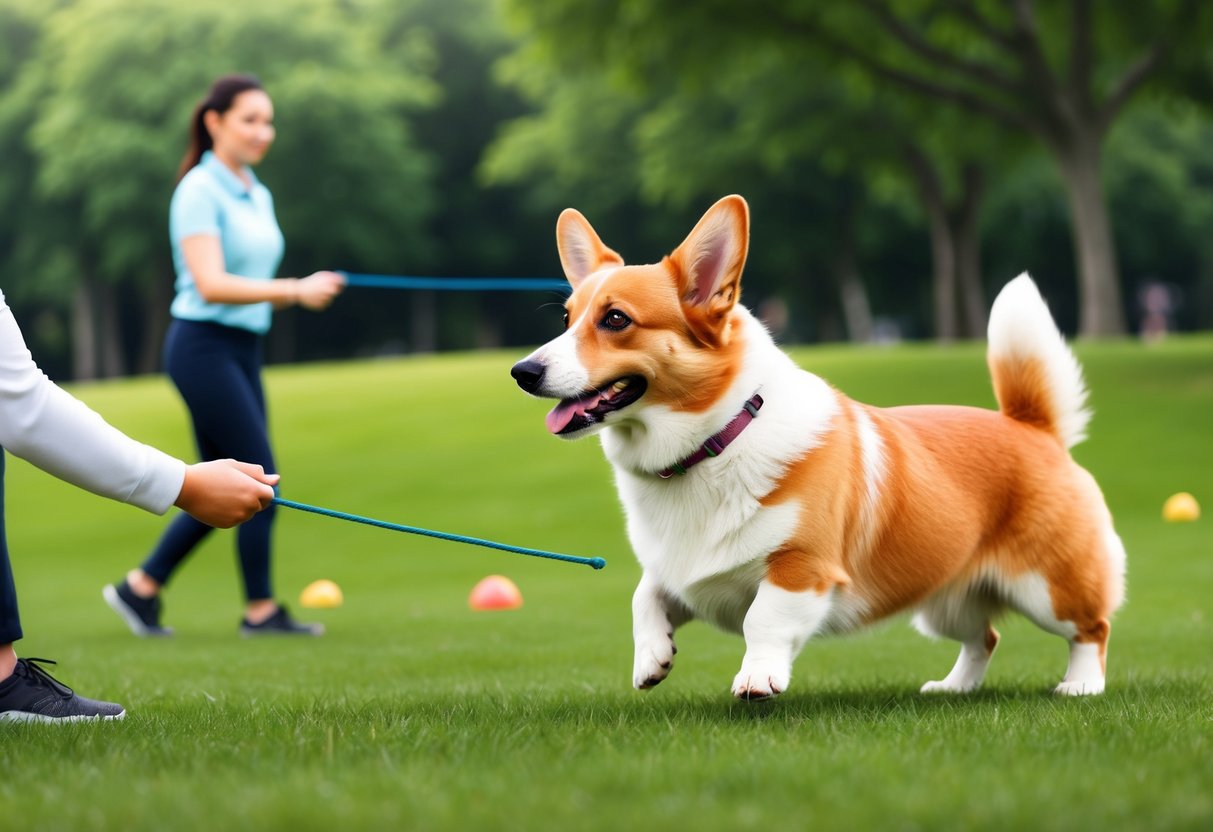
(902, 160)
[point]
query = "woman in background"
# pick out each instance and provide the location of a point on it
(226, 249)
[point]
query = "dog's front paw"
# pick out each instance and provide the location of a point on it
(949, 686)
(755, 682)
(654, 660)
(1080, 687)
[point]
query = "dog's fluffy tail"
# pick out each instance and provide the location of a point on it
(1036, 378)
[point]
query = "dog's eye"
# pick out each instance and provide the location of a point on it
(566, 319)
(615, 320)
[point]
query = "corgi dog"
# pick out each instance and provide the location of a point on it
(766, 502)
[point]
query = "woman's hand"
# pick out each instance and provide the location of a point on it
(225, 493)
(317, 290)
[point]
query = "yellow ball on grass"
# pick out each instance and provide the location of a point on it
(321, 595)
(1181, 508)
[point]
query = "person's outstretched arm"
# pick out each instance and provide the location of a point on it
(43, 424)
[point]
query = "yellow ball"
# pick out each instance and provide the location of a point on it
(1181, 508)
(321, 595)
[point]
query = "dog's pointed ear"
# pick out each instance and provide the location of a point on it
(581, 251)
(709, 264)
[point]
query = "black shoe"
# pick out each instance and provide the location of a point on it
(33, 695)
(280, 624)
(142, 615)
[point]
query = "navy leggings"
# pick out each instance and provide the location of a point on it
(217, 370)
(10, 622)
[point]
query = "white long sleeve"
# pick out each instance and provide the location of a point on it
(46, 426)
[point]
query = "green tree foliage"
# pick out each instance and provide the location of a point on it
(600, 146)
(1061, 73)
(473, 229)
(30, 234)
(638, 113)
(1160, 168)
(782, 126)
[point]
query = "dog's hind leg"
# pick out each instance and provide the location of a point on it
(776, 627)
(964, 618)
(1087, 670)
(1077, 612)
(1088, 656)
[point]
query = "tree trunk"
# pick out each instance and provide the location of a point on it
(1101, 310)
(488, 332)
(852, 294)
(156, 316)
(856, 308)
(943, 246)
(424, 323)
(84, 332)
(966, 226)
(109, 330)
(281, 346)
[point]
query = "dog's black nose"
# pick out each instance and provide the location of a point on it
(528, 374)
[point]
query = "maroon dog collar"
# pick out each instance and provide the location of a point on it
(718, 442)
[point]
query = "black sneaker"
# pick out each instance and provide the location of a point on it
(33, 695)
(142, 615)
(280, 624)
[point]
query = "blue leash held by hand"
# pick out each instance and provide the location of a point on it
(596, 563)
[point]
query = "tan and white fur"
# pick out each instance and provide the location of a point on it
(825, 514)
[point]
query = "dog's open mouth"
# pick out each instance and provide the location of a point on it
(575, 414)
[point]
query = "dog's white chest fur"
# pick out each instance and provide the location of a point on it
(703, 536)
(704, 541)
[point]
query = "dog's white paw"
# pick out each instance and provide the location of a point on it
(1089, 687)
(756, 682)
(946, 686)
(654, 660)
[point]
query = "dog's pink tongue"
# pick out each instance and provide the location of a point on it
(564, 412)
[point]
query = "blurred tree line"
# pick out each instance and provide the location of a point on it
(902, 159)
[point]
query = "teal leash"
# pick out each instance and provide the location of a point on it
(458, 284)
(596, 563)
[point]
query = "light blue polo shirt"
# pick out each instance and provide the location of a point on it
(213, 200)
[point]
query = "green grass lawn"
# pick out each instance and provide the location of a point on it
(415, 712)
